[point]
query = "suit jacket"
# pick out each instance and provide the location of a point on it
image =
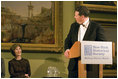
(94, 32)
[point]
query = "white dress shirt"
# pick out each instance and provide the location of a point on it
(82, 30)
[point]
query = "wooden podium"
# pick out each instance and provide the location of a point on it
(75, 52)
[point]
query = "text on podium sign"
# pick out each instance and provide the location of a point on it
(96, 52)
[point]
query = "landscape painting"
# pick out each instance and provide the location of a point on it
(27, 22)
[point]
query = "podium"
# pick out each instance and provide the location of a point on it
(75, 52)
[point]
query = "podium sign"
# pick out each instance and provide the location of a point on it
(96, 52)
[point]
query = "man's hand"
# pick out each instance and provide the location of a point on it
(66, 53)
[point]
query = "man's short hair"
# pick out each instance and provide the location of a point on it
(83, 10)
(13, 47)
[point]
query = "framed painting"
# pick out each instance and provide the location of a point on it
(36, 25)
(110, 6)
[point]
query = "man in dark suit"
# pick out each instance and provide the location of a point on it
(82, 29)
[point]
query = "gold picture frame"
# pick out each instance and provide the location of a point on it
(98, 7)
(58, 44)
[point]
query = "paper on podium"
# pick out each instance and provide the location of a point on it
(96, 52)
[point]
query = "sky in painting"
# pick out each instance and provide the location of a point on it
(21, 7)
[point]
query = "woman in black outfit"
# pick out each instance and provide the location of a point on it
(18, 66)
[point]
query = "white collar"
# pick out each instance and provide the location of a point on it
(86, 23)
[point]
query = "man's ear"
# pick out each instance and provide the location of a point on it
(82, 16)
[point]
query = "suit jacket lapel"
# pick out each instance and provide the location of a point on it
(76, 31)
(86, 36)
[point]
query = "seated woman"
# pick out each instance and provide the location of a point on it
(18, 66)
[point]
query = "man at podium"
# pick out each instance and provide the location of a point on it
(82, 29)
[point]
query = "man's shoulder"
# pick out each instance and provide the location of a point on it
(94, 23)
(74, 25)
